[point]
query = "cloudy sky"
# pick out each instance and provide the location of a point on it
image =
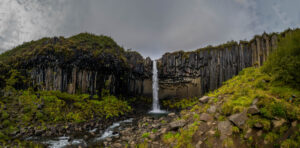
(151, 27)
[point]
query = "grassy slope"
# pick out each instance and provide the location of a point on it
(235, 96)
(275, 86)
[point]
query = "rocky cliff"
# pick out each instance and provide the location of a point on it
(84, 63)
(189, 74)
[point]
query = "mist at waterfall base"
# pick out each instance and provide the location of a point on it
(155, 103)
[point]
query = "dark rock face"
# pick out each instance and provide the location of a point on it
(189, 74)
(87, 74)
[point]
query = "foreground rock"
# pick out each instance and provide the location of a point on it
(239, 119)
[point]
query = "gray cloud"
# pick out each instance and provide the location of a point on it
(151, 27)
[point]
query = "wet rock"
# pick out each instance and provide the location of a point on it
(38, 132)
(239, 119)
(204, 99)
(225, 128)
(253, 110)
(177, 124)
(206, 117)
(212, 109)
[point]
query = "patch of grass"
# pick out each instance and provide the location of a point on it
(288, 143)
(271, 137)
(228, 142)
(170, 137)
(180, 103)
(258, 120)
(145, 135)
(154, 130)
(235, 129)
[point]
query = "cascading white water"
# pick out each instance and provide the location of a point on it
(155, 88)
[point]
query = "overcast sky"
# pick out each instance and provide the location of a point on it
(151, 27)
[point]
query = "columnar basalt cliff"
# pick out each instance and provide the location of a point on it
(190, 74)
(84, 63)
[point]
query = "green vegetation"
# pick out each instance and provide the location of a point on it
(283, 64)
(66, 49)
(146, 135)
(180, 103)
(275, 87)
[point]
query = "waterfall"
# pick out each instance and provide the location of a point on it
(155, 88)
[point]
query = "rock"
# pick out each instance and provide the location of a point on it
(248, 133)
(239, 119)
(163, 130)
(85, 137)
(254, 101)
(203, 127)
(38, 132)
(206, 117)
(212, 109)
(171, 114)
(258, 125)
(253, 110)
(156, 126)
(108, 139)
(198, 145)
(211, 132)
(117, 145)
(225, 128)
(153, 136)
(259, 133)
(294, 123)
(278, 123)
(177, 124)
(204, 99)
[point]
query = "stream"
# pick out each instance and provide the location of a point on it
(67, 141)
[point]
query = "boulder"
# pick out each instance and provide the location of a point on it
(239, 119)
(225, 128)
(177, 124)
(206, 117)
(204, 99)
(253, 110)
(212, 109)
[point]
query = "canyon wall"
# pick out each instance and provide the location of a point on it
(131, 79)
(192, 74)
